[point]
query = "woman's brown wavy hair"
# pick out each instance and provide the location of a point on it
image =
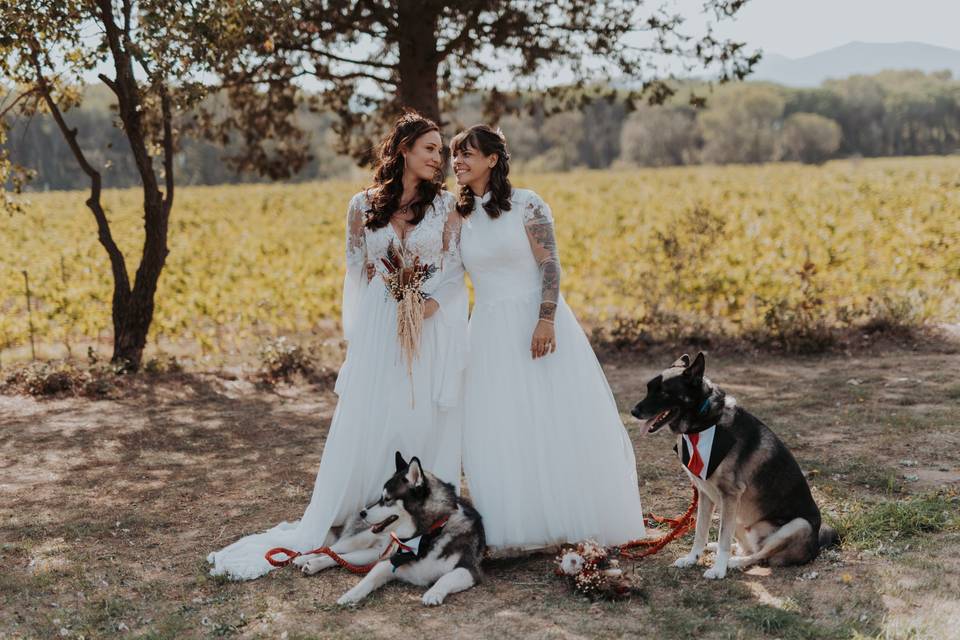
(482, 138)
(387, 188)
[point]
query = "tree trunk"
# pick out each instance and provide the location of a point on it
(131, 321)
(419, 61)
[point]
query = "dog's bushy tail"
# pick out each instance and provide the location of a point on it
(828, 536)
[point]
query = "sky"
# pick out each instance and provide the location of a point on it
(797, 28)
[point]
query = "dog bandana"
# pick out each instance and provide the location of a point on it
(701, 453)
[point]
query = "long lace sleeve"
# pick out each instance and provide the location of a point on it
(355, 282)
(450, 292)
(450, 287)
(538, 222)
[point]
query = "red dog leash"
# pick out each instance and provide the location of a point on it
(678, 527)
(359, 569)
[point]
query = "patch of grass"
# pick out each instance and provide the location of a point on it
(910, 634)
(172, 625)
(873, 526)
(786, 625)
(861, 471)
(101, 616)
(953, 393)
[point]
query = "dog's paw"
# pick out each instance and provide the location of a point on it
(432, 598)
(715, 573)
(738, 562)
(686, 561)
(735, 548)
(315, 564)
(349, 598)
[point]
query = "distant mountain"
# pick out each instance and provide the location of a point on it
(856, 58)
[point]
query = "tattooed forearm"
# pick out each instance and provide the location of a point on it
(543, 243)
(542, 235)
(548, 310)
(550, 288)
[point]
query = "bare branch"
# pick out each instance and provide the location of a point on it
(107, 81)
(167, 148)
(309, 48)
(117, 262)
(30, 92)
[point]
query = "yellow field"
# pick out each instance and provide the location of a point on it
(729, 250)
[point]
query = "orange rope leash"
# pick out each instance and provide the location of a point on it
(679, 527)
(359, 569)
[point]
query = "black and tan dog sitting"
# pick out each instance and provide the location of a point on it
(739, 464)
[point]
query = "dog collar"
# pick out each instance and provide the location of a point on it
(416, 547)
(705, 405)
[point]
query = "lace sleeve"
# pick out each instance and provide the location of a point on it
(450, 360)
(355, 282)
(451, 273)
(538, 222)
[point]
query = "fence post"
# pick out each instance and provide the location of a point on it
(26, 282)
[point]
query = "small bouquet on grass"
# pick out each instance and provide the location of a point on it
(404, 278)
(592, 572)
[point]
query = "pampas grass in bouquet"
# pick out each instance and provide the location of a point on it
(404, 279)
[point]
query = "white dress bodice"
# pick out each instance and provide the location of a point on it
(496, 251)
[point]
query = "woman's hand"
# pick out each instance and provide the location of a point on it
(544, 340)
(371, 271)
(430, 307)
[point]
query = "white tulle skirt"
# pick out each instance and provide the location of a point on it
(376, 416)
(546, 457)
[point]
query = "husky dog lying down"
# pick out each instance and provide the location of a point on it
(437, 538)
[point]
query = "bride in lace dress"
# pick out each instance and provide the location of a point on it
(382, 409)
(545, 454)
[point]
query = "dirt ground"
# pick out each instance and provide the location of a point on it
(109, 508)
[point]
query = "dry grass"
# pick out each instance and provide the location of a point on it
(110, 507)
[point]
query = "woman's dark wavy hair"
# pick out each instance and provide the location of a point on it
(387, 188)
(488, 142)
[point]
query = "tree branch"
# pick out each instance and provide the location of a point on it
(461, 38)
(167, 148)
(110, 83)
(117, 262)
(20, 97)
(313, 51)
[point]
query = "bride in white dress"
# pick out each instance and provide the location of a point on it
(376, 414)
(546, 457)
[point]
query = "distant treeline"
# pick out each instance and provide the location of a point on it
(893, 113)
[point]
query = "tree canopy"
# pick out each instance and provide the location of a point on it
(368, 60)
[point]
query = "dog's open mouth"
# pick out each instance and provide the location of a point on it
(383, 524)
(657, 421)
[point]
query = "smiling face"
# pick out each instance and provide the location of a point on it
(424, 157)
(472, 168)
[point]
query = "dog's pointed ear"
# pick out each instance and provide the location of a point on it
(695, 370)
(415, 472)
(401, 463)
(682, 361)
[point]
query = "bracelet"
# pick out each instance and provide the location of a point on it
(546, 320)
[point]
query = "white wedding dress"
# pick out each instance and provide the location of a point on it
(376, 415)
(546, 457)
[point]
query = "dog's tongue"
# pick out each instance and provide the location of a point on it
(380, 526)
(651, 426)
(646, 424)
